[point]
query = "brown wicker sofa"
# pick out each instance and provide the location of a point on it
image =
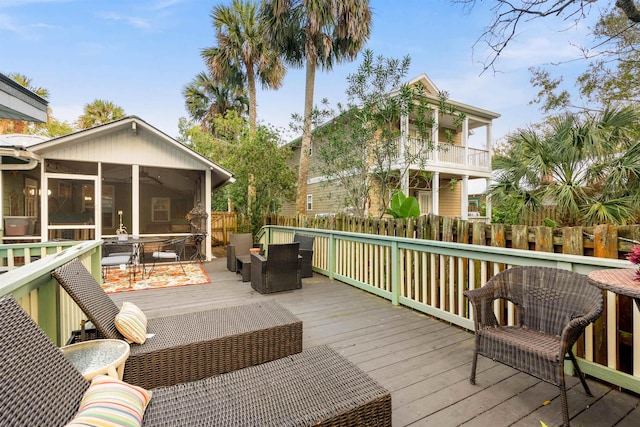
(553, 308)
(315, 387)
(222, 340)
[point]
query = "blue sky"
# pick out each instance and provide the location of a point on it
(140, 54)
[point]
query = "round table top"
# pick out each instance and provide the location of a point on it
(620, 281)
(95, 356)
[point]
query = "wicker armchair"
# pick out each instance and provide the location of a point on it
(306, 252)
(553, 308)
(226, 338)
(315, 387)
(239, 244)
(280, 271)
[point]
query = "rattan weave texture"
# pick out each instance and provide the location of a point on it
(553, 308)
(191, 346)
(32, 391)
(315, 387)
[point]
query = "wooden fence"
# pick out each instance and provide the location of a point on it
(222, 225)
(605, 241)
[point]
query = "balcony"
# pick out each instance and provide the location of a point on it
(423, 361)
(445, 155)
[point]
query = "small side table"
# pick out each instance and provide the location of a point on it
(617, 280)
(96, 357)
(244, 267)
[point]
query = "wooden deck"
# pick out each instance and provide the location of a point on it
(424, 362)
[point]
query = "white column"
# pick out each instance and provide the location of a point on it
(404, 184)
(207, 206)
(488, 200)
(489, 140)
(135, 200)
(434, 135)
(435, 199)
(465, 139)
(464, 202)
(44, 203)
(404, 133)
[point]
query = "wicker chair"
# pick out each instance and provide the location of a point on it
(280, 271)
(239, 244)
(316, 387)
(306, 252)
(226, 338)
(553, 308)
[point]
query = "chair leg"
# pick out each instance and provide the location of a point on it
(181, 266)
(580, 374)
(563, 399)
(474, 364)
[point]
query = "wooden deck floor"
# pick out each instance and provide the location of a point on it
(424, 362)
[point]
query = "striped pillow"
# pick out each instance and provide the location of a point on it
(109, 402)
(132, 323)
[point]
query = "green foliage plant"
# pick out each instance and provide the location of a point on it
(403, 206)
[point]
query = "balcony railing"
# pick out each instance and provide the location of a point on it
(430, 276)
(444, 154)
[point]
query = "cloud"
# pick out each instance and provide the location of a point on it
(131, 20)
(14, 3)
(163, 4)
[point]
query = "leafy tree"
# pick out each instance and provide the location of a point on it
(99, 112)
(508, 14)
(253, 157)
(403, 206)
(241, 46)
(206, 97)
(360, 148)
(588, 166)
(317, 33)
(53, 128)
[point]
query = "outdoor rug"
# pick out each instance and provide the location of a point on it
(163, 276)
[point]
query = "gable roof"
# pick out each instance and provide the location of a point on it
(135, 125)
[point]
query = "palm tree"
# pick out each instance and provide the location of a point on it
(206, 97)
(18, 126)
(588, 167)
(241, 46)
(318, 33)
(99, 112)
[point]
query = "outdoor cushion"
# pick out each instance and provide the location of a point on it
(131, 322)
(111, 402)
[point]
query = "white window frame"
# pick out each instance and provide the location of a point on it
(309, 202)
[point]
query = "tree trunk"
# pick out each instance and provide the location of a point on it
(303, 171)
(251, 85)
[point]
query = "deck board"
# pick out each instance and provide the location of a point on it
(424, 362)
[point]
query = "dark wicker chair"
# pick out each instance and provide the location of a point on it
(225, 339)
(553, 308)
(306, 252)
(239, 244)
(280, 271)
(316, 387)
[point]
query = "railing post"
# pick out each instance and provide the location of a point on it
(332, 255)
(395, 273)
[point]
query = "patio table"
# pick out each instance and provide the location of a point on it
(617, 280)
(96, 357)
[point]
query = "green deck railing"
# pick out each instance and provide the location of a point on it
(38, 292)
(430, 276)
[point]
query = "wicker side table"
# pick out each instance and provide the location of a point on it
(619, 281)
(98, 357)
